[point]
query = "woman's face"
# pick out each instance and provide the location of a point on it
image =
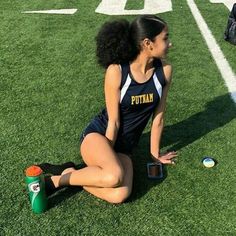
(161, 44)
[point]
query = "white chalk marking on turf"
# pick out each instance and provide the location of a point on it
(117, 7)
(228, 3)
(59, 11)
(223, 65)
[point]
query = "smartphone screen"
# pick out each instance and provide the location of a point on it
(155, 170)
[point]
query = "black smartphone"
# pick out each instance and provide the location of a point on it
(155, 170)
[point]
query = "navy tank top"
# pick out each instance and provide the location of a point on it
(137, 104)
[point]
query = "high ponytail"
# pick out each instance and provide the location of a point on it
(120, 42)
(113, 43)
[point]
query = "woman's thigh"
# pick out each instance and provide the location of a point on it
(127, 165)
(97, 151)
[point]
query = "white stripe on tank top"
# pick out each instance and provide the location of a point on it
(157, 85)
(125, 88)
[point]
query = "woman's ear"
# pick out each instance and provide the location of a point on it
(147, 43)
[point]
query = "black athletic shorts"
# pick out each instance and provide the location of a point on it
(98, 126)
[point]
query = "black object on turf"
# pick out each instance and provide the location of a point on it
(55, 169)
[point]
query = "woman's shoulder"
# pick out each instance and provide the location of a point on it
(167, 69)
(113, 68)
(163, 68)
(113, 75)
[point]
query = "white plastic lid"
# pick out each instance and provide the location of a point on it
(208, 162)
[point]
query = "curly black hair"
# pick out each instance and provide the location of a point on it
(119, 41)
(113, 43)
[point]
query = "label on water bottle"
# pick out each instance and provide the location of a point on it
(36, 192)
(34, 187)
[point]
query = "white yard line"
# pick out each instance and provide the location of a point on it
(222, 64)
(228, 3)
(59, 11)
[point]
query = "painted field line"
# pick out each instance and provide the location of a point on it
(117, 7)
(228, 3)
(58, 11)
(223, 65)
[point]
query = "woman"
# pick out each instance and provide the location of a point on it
(136, 86)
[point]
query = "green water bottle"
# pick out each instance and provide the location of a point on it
(36, 188)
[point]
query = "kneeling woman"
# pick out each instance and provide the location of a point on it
(136, 86)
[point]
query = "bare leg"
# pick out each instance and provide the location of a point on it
(108, 175)
(118, 194)
(104, 169)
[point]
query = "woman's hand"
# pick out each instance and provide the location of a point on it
(166, 158)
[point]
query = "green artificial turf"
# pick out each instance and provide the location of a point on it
(50, 88)
(134, 4)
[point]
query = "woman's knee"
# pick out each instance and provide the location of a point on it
(118, 195)
(112, 179)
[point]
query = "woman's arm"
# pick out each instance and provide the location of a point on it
(158, 122)
(112, 98)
